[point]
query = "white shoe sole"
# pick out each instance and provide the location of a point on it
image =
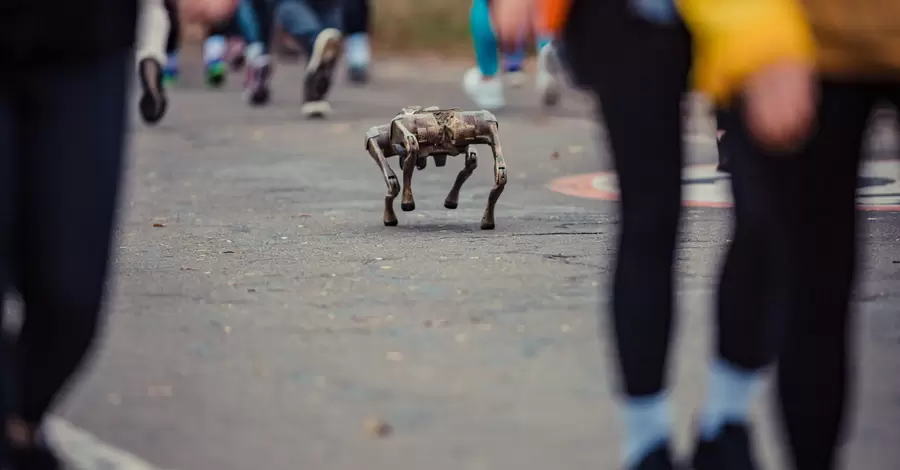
(315, 109)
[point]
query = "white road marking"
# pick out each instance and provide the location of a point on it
(82, 450)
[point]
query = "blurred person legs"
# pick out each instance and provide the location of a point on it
(358, 51)
(635, 59)
(514, 63)
(256, 19)
(223, 48)
(62, 130)
(317, 26)
(173, 43)
(153, 33)
(637, 70)
(547, 78)
(813, 195)
(482, 83)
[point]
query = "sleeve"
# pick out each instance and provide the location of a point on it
(735, 38)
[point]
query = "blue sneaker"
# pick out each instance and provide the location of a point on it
(170, 70)
(214, 55)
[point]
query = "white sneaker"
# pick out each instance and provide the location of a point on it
(546, 79)
(487, 94)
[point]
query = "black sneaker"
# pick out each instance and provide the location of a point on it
(256, 84)
(325, 53)
(730, 450)
(358, 75)
(659, 459)
(153, 101)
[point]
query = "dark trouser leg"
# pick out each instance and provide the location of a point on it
(69, 161)
(640, 79)
(795, 228)
(355, 17)
(8, 148)
(174, 41)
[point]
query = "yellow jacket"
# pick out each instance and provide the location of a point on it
(734, 38)
(844, 39)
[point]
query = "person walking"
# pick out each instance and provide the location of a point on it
(803, 80)
(483, 83)
(634, 57)
(62, 141)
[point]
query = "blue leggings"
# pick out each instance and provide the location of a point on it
(487, 54)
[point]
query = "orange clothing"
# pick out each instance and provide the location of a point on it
(553, 15)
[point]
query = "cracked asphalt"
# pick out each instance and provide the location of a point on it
(262, 316)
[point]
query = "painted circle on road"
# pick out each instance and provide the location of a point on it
(878, 188)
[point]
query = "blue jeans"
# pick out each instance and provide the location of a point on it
(304, 20)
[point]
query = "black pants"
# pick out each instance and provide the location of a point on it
(356, 17)
(638, 71)
(173, 43)
(818, 185)
(62, 133)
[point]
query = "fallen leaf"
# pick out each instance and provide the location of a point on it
(554, 156)
(251, 290)
(159, 225)
(375, 427)
(227, 252)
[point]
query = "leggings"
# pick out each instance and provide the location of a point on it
(819, 186)
(256, 20)
(356, 17)
(637, 68)
(487, 54)
(62, 136)
(173, 43)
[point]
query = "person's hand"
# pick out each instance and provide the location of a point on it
(780, 104)
(511, 18)
(207, 11)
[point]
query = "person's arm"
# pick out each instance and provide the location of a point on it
(735, 39)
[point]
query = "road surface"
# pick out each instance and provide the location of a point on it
(262, 316)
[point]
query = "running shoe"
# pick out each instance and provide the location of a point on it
(216, 73)
(326, 51)
(547, 79)
(234, 55)
(513, 71)
(153, 103)
(170, 70)
(486, 94)
(730, 450)
(216, 69)
(256, 84)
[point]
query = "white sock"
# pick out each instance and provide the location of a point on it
(253, 51)
(214, 48)
(728, 398)
(648, 425)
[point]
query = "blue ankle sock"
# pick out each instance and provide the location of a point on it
(486, 54)
(730, 392)
(647, 426)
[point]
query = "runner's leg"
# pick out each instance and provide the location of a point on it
(153, 33)
(72, 130)
(482, 83)
(638, 71)
(815, 366)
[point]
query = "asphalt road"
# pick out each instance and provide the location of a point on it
(262, 316)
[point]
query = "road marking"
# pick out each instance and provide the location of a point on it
(703, 186)
(82, 450)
